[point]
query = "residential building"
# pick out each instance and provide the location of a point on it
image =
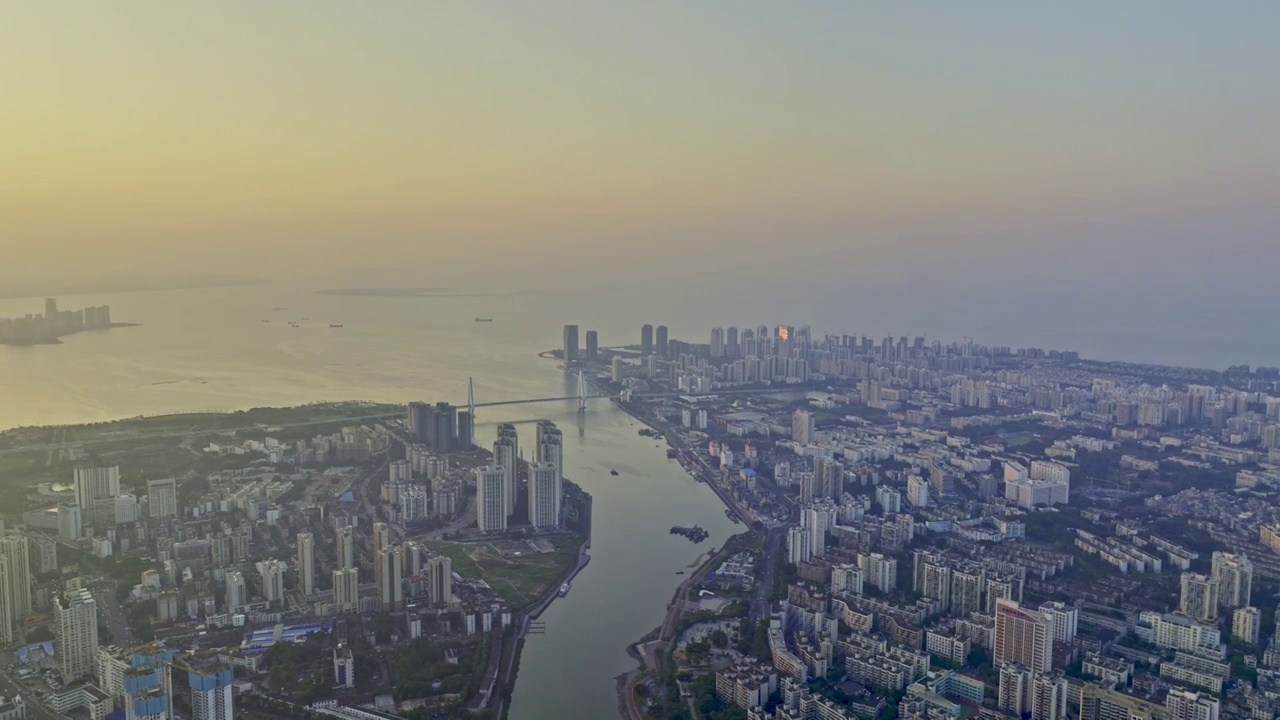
(1234, 577)
(1191, 705)
(1066, 620)
(306, 560)
(237, 595)
(211, 697)
(346, 590)
(75, 623)
(1199, 600)
(1023, 636)
(344, 547)
(544, 495)
(491, 502)
(803, 427)
(162, 498)
(1246, 625)
(440, 580)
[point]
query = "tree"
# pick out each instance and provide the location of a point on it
(719, 639)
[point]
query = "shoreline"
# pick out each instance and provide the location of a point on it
(57, 339)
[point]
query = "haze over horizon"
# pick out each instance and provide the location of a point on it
(1081, 150)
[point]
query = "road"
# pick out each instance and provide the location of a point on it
(11, 688)
(110, 615)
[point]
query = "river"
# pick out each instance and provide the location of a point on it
(209, 350)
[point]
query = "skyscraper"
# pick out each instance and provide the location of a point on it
(1199, 600)
(1066, 620)
(592, 347)
(506, 455)
(14, 549)
(440, 580)
(716, 346)
(660, 342)
(381, 537)
(162, 498)
(466, 431)
(344, 547)
(803, 427)
(211, 694)
(390, 563)
(418, 422)
(491, 502)
(646, 340)
(272, 574)
(544, 495)
(75, 626)
(6, 606)
(570, 344)
(95, 483)
(1234, 575)
(306, 559)
(442, 424)
(237, 596)
(731, 342)
(1023, 636)
(346, 590)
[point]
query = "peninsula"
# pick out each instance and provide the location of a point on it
(54, 323)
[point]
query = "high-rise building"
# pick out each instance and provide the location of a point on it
(491, 501)
(817, 519)
(418, 420)
(716, 345)
(1066, 620)
(880, 571)
(211, 694)
(593, 347)
(1234, 575)
(570, 344)
(466, 431)
(162, 498)
(544, 495)
(440, 580)
(731, 341)
(237, 595)
(1048, 697)
(75, 625)
(14, 548)
(646, 340)
(660, 342)
(344, 667)
(803, 427)
(306, 560)
(381, 537)
(272, 574)
(7, 620)
(442, 427)
(346, 590)
(1015, 689)
(1186, 704)
(1199, 600)
(390, 562)
(1023, 636)
(70, 521)
(1097, 703)
(917, 492)
(1246, 624)
(93, 483)
(344, 547)
(506, 455)
(967, 586)
(615, 369)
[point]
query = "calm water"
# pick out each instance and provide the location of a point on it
(208, 349)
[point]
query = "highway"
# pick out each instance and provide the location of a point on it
(10, 687)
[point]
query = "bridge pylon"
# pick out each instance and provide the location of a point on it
(582, 392)
(471, 398)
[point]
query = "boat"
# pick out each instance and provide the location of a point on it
(679, 572)
(613, 472)
(335, 326)
(480, 319)
(266, 321)
(564, 589)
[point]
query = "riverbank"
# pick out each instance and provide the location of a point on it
(55, 340)
(506, 678)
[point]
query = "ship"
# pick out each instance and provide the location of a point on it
(613, 472)
(564, 589)
(335, 325)
(480, 319)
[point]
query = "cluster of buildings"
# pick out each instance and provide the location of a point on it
(959, 531)
(30, 329)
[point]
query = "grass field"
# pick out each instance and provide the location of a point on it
(519, 579)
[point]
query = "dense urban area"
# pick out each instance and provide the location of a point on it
(928, 531)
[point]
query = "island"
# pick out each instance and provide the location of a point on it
(54, 323)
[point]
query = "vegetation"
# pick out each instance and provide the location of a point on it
(421, 669)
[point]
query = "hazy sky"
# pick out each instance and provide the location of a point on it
(994, 142)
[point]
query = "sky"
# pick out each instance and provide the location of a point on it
(1124, 148)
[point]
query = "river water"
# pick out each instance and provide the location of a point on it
(209, 350)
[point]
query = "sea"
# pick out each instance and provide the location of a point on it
(278, 344)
